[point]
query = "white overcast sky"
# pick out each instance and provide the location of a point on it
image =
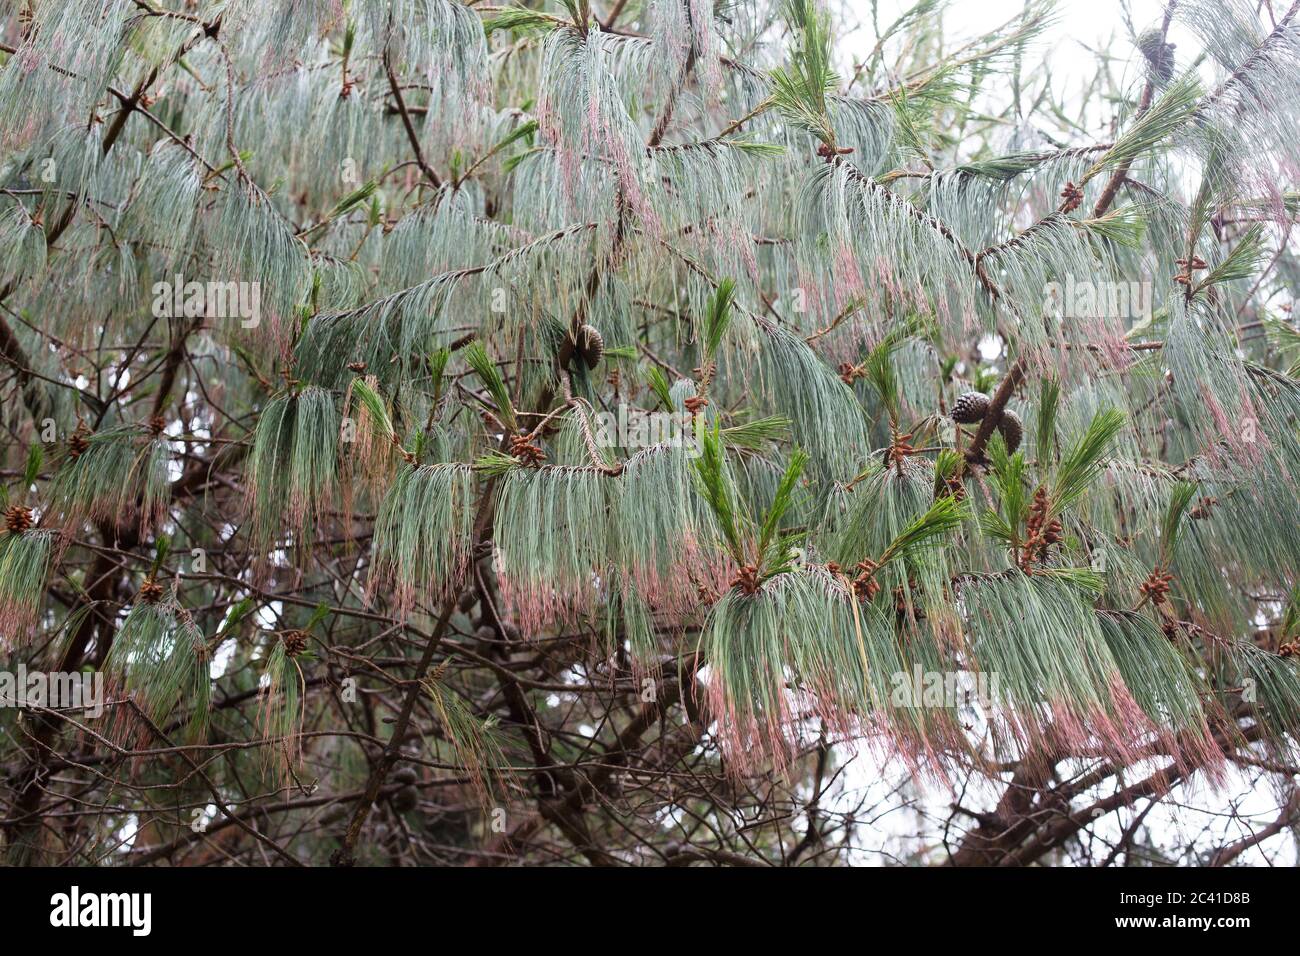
(1097, 23)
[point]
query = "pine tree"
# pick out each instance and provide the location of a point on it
(574, 431)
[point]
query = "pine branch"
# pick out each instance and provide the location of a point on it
(1111, 189)
(412, 137)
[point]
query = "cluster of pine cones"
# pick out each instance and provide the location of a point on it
(526, 451)
(865, 588)
(973, 406)
(864, 585)
(746, 578)
(1156, 586)
(405, 799)
(1041, 534)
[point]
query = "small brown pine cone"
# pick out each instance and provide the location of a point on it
(439, 671)
(1156, 586)
(78, 443)
(17, 519)
(1072, 196)
(746, 579)
(1053, 533)
(899, 448)
(970, 408)
(404, 800)
(1012, 430)
(151, 591)
(864, 585)
(695, 404)
(526, 451)
(295, 642)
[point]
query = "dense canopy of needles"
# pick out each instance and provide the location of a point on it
(637, 335)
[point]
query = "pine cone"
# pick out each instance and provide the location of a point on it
(1053, 533)
(695, 404)
(404, 800)
(404, 775)
(151, 591)
(18, 519)
(865, 587)
(1072, 197)
(591, 344)
(746, 579)
(1012, 430)
(1040, 534)
(295, 642)
(78, 443)
(1159, 54)
(526, 451)
(899, 448)
(1156, 586)
(970, 408)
